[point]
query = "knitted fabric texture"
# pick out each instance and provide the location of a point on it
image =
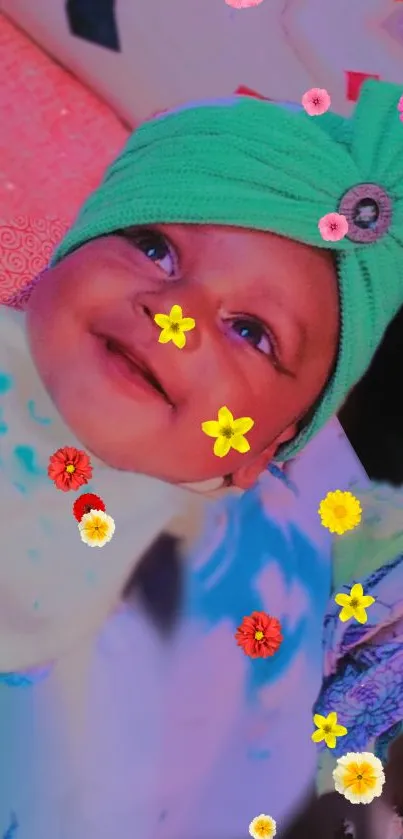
(249, 163)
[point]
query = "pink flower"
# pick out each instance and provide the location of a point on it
(316, 101)
(400, 104)
(243, 4)
(333, 227)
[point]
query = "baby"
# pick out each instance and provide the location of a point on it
(214, 207)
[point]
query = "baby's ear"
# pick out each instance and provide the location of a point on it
(247, 475)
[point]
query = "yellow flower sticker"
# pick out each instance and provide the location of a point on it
(359, 776)
(340, 511)
(229, 432)
(96, 528)
(354, 604)
(174, 326)
(262, 827)
(327, 729)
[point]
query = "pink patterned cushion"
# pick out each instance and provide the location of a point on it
(26, 245)
(56, 140)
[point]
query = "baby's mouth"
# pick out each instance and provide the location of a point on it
(135, 366)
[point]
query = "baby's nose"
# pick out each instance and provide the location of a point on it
(148, 312)
(148, 327)
(181, 311)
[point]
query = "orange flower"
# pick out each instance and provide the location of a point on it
(259, 635)
(69, 468)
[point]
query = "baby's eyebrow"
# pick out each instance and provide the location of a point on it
(200, 230)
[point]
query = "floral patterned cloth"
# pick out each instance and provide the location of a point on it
(363, 664)
(26, 245)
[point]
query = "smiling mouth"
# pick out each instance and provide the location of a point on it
(135, 366)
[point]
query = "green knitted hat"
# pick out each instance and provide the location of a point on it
(253, 164)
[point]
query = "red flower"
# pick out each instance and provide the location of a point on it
(69, 468)
(259, 635)
(85, 503)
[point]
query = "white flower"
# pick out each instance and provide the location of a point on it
(359, 776)
(262, 827)
(96, 528)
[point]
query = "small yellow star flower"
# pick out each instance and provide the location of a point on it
(262, 827)
(359, 776)
(354, 604)
(174, 326)
(229, 432)
(96, 528)
(340, 511)
(327, 729)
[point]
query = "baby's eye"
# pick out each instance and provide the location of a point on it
(254, 333)
(156, 248)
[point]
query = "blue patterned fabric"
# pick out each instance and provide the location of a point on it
(366, 685)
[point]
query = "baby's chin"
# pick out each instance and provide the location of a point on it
(102, 443)
(148, 444)
(143, 459)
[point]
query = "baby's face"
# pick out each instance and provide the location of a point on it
(266, 312)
